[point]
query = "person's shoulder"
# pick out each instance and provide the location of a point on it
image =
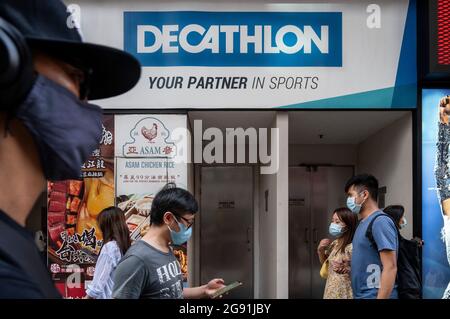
(132, 256)
(15, 284)
(111, 247)
(381, 219)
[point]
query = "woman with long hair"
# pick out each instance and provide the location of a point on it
(116, 241)
(337, 254)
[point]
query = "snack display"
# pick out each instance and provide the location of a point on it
(57, 198)
(144, 205)
(64, 199)
(137, 213)
(181, 255)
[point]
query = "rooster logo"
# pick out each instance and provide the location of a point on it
(150, 134)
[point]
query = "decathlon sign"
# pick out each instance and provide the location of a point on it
(186, 38)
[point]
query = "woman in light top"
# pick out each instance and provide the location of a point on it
(116, 241)
(338, 254)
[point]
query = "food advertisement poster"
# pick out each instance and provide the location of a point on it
(136, 157)
(148, 156)
(436, 193)
(74, 238)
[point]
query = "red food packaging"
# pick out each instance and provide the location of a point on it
(131, 227)
(71, 219)
(55, 232)
(58, 196)
(70, 231)
(60, 187)
(55, 218)
(75, 187)
(74, 205)
(57, 207)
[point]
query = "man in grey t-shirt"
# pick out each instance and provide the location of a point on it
(150, 270)
(148, 273)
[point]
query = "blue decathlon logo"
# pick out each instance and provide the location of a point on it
(186, 38)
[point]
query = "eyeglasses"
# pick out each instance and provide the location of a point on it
(187, 221)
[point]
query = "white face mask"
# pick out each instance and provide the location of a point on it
(351, 204)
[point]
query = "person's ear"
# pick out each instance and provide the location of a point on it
(365, 194)
(168, 218)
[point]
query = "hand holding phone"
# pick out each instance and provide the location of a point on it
(226, 289)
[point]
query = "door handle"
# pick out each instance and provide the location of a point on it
(306, 235)
(315, 235)
(248, 234)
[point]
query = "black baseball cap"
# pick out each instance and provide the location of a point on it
(45, 25)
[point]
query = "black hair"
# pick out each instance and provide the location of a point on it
(351, 222)
(396, 212)
(364, 182)
(172, 199)
(113, 226)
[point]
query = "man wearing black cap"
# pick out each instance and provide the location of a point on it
(47, 129)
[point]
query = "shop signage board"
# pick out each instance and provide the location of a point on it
(146, 160)
(339, 54)
(148, 156)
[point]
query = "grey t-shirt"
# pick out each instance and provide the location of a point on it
(148, 273)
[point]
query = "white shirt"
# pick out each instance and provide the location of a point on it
(102, 285)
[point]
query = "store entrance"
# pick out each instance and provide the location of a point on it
(326, 148)
(312, 199)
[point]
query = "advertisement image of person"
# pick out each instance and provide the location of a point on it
(47, 128)
(338, 254)
(442, 174)
(116, 241)
(150, 270)
(373, 271)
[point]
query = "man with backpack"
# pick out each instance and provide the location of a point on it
(409, 270)
(373, 269)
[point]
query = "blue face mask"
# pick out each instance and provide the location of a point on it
(403, 225)
(351, 204)
(335, 230)
(179, 238)
(65, 129)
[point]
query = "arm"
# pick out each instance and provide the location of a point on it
(324, 243)
(102, 273)
(385, 234)
(205, 291)
(195, 293)
(388, 274)
(344, 267)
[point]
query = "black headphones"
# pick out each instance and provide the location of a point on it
(16, 68)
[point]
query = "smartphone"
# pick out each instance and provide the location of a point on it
(226, 289)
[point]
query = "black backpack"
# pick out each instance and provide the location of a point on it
(409, 279)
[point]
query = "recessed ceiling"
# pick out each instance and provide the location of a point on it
(233, 119)
(305, 127)
(338, 127)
